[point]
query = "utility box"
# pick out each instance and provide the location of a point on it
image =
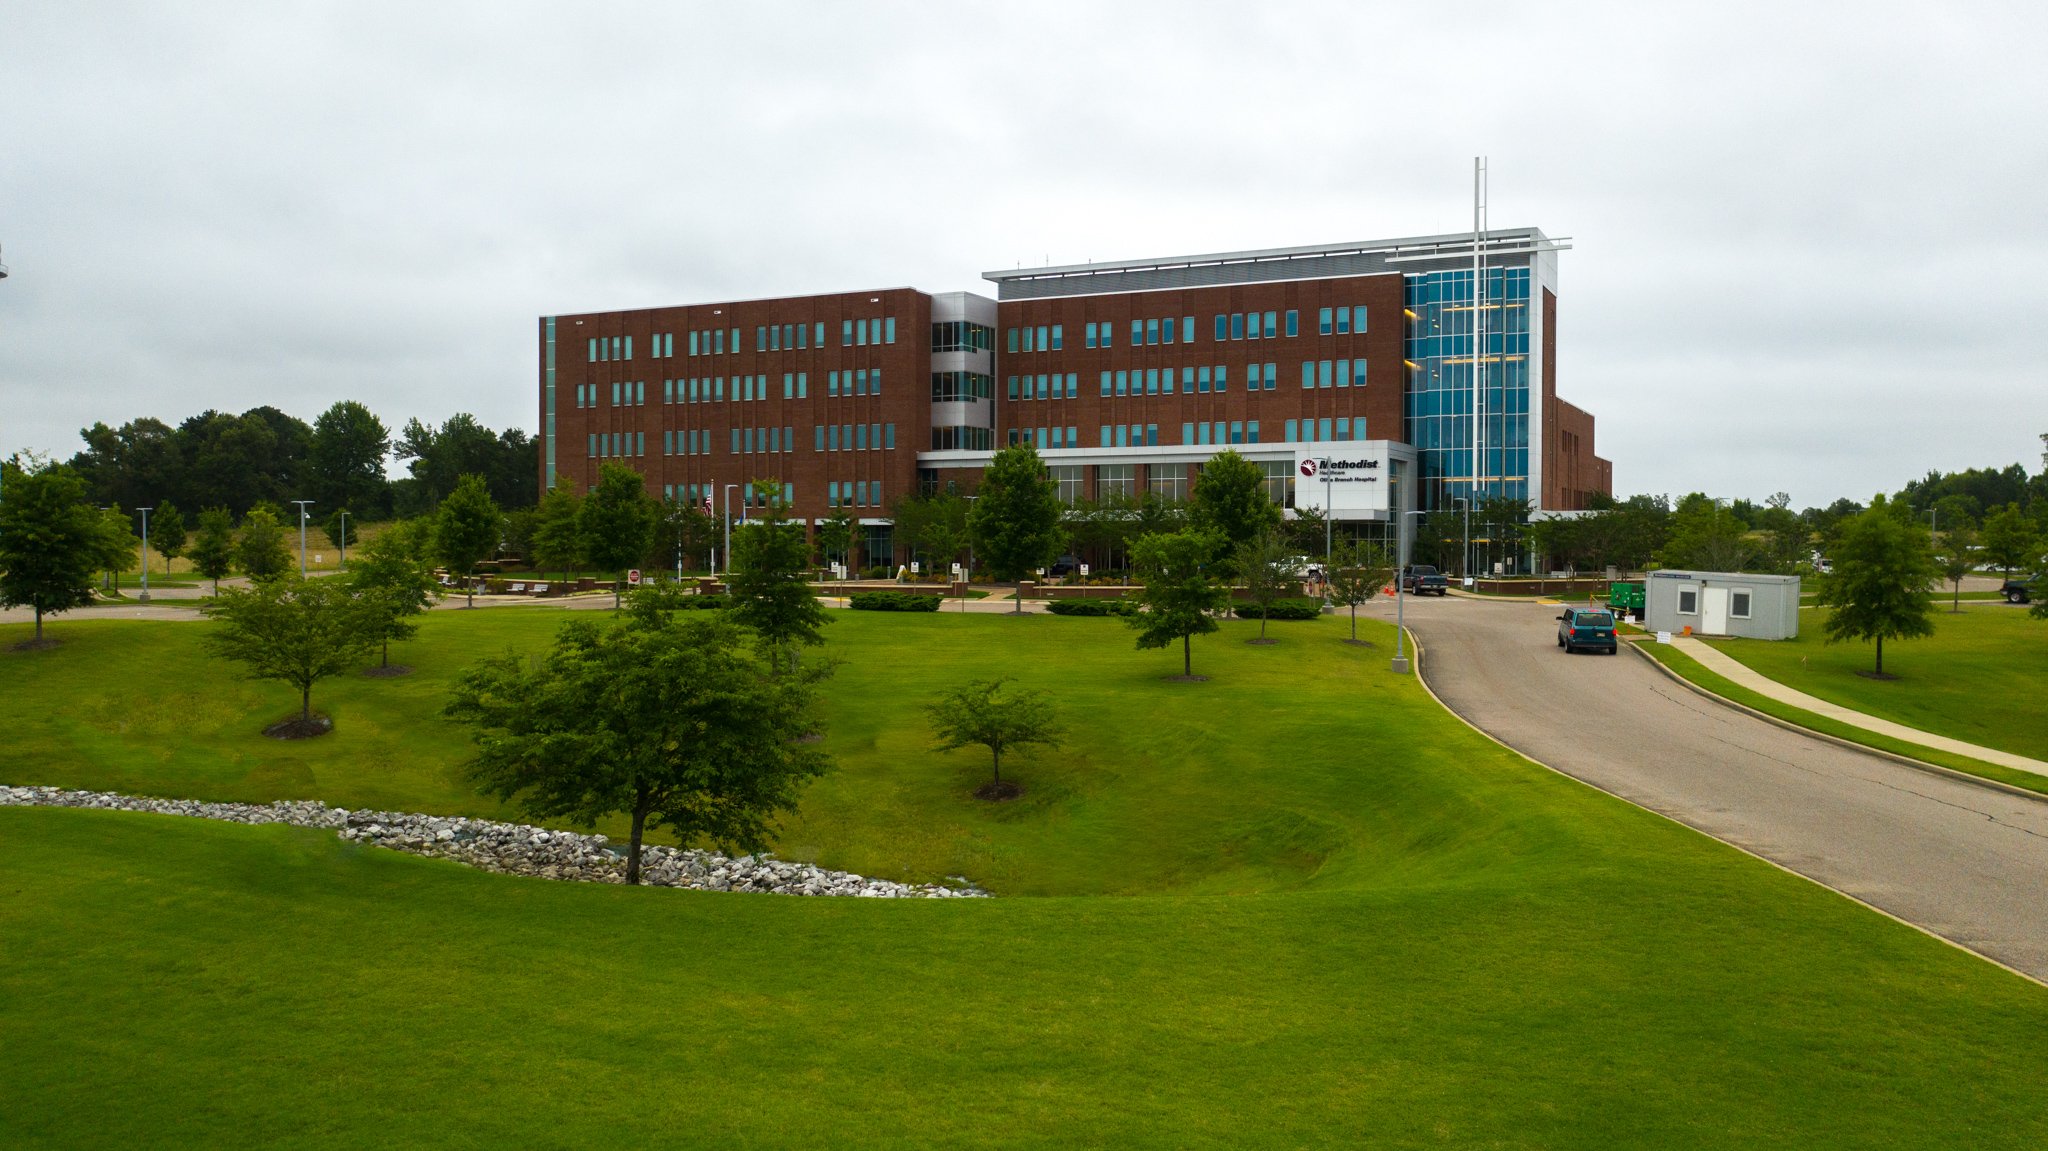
(1722, 603)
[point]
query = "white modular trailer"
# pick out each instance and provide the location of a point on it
(1722, 603)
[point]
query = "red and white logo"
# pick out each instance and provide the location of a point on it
(1308, 468)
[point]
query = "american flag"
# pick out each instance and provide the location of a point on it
(707, 504)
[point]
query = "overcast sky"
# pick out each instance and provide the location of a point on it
(1808, 240)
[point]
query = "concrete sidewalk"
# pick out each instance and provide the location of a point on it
(1729, 668)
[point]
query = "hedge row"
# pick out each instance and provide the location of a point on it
(1294, 608)
(892, 601)
(1090, 607)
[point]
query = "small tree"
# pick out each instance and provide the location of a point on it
(1014, 522)
(466, 530)
(835, 536)
(1883, 568)
(1267, 570)
(167, 532)
(557, 540)
(1230, 500)
(1957, 556)
(2009, 538)
(616, 522)
(115, 544)
(393, 576)
(665, 719)
(1357, 573)
(1179, 592)
(213, 548)
(296, 630)
(261, 553)
(981, 713)
(50, 541)
(767, 587)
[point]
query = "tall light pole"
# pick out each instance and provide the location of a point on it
(1400, 600)
(343, 543)
(302, 536)
(143, 596)
(728, 526)
(1465, 557)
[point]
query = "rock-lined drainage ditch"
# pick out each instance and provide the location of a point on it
(516, 848)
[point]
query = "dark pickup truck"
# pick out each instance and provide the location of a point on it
(2019, 590)
(1422, 579)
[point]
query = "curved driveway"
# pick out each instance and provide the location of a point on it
(1965, 862)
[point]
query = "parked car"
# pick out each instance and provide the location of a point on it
(1065, 565)
(1306, 568)
(1422, 579)
(2018, 590)
(1586, 627)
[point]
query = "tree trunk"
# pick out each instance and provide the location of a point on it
(1354, 623)
(1262, 622)
(387, 652)
(998, 752)
(306, 704)
(1187, 657)
(39, 623)
(633, 845)
(1880, 655)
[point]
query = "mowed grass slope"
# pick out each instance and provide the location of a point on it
(1295, 906)
(1981, 677)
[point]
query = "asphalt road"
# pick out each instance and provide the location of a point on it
(1965, 862)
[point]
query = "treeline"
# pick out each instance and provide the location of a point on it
(266, 457)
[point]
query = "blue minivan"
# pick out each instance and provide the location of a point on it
(1586, 627)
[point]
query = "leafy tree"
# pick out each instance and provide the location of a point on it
(664, 718)
(1357, 573)
(1268, 571)
(1705, 536)
(835, 536)
(131, 466)
(1230, 501)
(557, 540)
(341, 532)
(393, 577)
(51, 540)
(616, 522)
(1179, 590)
(1883, 568)
(213, 548)
(1308, 532)
(116, 543)
(466, 529)
(261, 553)
(982, 714)
(943, 535)
(345, 457)
(1957, 556)
(2009, 539)
(296, 630)
(440, 456)
(167, 532)
(766, 585)
(1014, 522)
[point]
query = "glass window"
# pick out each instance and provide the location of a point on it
(1343, 428)
(1105, 383)
(1187, 433)
(1358, 373)
(821, 334)
(889, 439)
(1308, 373)
(1237, 325)
(1323, 322)
(1251, 431)
(1222, 327)
(1343, 373)
(818, 436)
(1123, 383)
(1043, 343)
(1322, 373)
(1343, 321)
(592, 450)
(1323, 430)
(1187, 329)
(1151, 435)
(1293, 431)
(1202, 433)
(1088, 335)
(1107, 332)
(1358, 319)
(1042, 393)
(1151, 381)
(1202, 379)
(1738, 603)
(1137, 333)
(1151, 331)
(889, 330)
(1688, 601)
(760, 339)
(803, 385)
(1166, 330)
(1237, 431)
(1293, 322)
(1011, 339)
(1123, 436)
(1272, 376)
(1222, 378)
(845, 333)
(1272, 328)
(1105, 435)
(1073, 384)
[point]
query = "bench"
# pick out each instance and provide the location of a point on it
(540, 589)
(518, 588)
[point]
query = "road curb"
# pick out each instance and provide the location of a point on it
(1790, 725)
(1415, 646)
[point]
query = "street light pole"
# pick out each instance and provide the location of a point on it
(143, 597)
(1465, 557)
(1400, 599)
(302, 536)
(728, 526)
(344, 537)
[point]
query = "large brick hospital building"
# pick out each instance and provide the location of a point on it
(1126, 375)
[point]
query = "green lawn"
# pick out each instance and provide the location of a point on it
(1982, 676)
(1297, 905)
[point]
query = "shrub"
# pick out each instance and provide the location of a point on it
(1088, 607)
(1296, 608)
(892, 601)
(882, 571)
(702, 602)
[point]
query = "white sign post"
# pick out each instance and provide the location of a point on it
(633, 577)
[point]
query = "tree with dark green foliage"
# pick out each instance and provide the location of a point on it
(393, 575)
(117, 543)
(616, 523)
(52, 542)
(466, 529)
(1705, 536)
(982, 713)
(1014, 521)
(1957, 556)
(766, 586)
(1357, 573)
(261, 553)
(1307, 532)
(666, 719)
(1265, 566)
(2009, 538)
(557, 541)
(1878, 591)
(1230, 501)
(299, 631)
(341, 532)
(167, 532)
(1180, 592)
(835, 536)
(213, 547)
(345, 457)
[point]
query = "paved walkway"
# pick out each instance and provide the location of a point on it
(1734, 670)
